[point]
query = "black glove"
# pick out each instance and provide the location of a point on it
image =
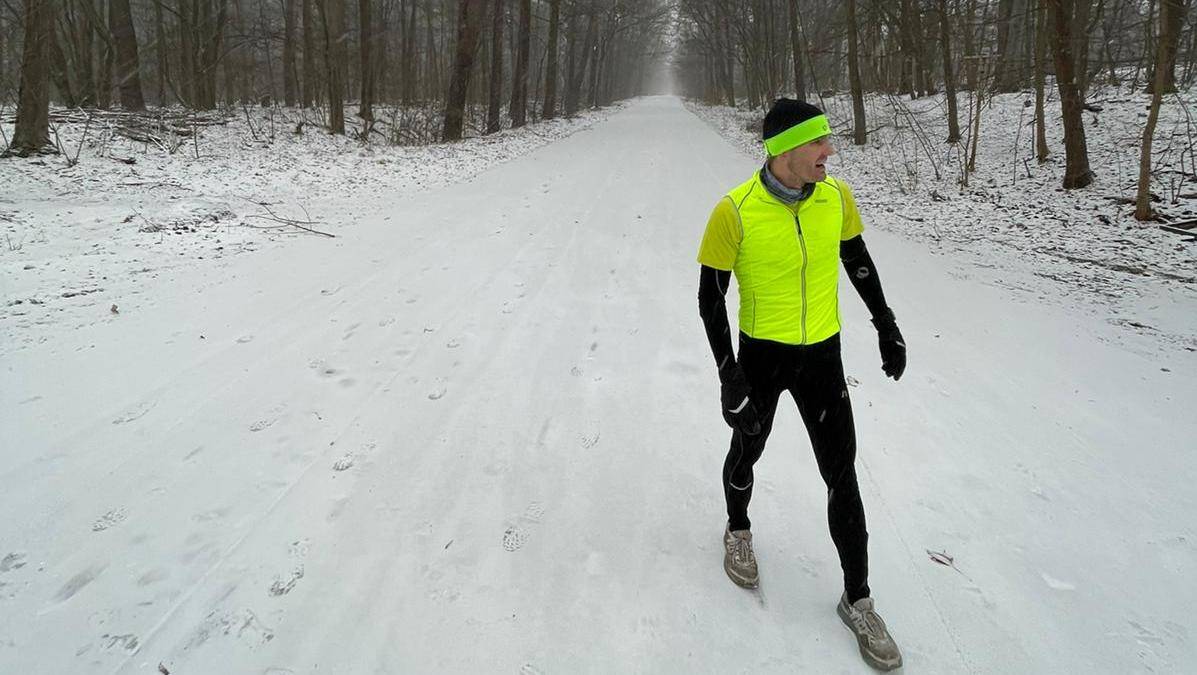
(893, 347)
(738, 410)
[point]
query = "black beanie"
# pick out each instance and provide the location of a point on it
(785, 113)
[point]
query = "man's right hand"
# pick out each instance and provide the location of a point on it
(738, 410)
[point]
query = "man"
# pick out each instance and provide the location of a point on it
(783, 233)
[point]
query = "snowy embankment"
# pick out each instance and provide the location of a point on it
(479, 432)
(79, 240)
(1015, 222)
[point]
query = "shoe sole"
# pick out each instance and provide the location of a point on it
(737, 579)
(873, 661)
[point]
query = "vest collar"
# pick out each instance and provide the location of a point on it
(780, 191)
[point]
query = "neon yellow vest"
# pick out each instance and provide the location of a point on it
(787, 267)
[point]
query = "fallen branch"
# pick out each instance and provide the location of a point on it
(284, 222)
(1188, 234)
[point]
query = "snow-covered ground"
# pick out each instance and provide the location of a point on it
(478, 430)
(104, 231)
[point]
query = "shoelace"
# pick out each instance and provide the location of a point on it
(870, 623)
(742, 552)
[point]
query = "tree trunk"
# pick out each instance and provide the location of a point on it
(308, 94)
(1080, 41)
(589, 58)
(32, 132)
(906, 31)
(107, 54)
(266, 49)
(796, 50)
(519, 83)
(211, 31)
(729, 58)
(949, 78)
(1172, 14)
(332, 16)
(1001, 75)
(187, 64)
(571, 60)
(495, 95)
(81, 40)
(1076, 173)
(1041, 151)
(432, 72)
(550, 78)
(469, 26)
(859, 133)
(409, 57)
(367, 39)
(290, 74)
(160, 54)
(59, 73)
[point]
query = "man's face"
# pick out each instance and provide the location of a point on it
(806, 163)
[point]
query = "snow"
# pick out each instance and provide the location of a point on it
(477, 430)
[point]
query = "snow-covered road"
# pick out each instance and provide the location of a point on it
(478, 432)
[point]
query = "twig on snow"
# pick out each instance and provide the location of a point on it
(300, 224)
(946, 560)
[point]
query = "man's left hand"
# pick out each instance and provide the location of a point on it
(893, 347)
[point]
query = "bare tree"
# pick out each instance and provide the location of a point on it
(494, 105)
(469, 26)
(1172, 15)
(32, 132)
(309, 53)
(550, 78)
(1171, 21)
(519, 84)
(1041, 151)
(332, 15)
(290, 73)
(128, 65)
(859, 133)
(949, 77)
(1077, 173)
(367, 39)
(796, 50)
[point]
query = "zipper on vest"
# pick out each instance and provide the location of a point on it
(802, 243)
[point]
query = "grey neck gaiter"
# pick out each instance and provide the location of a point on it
(780, 191)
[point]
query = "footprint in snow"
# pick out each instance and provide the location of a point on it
(127, 643)
(516, 535)
(12, 561)
(110, 519)
(514, 538)
(78, 583)
(322, 368)
(534, 512)
(135, 414)
(283, 585)
(261, 425)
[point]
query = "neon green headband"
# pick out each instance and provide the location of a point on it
(815, 127)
